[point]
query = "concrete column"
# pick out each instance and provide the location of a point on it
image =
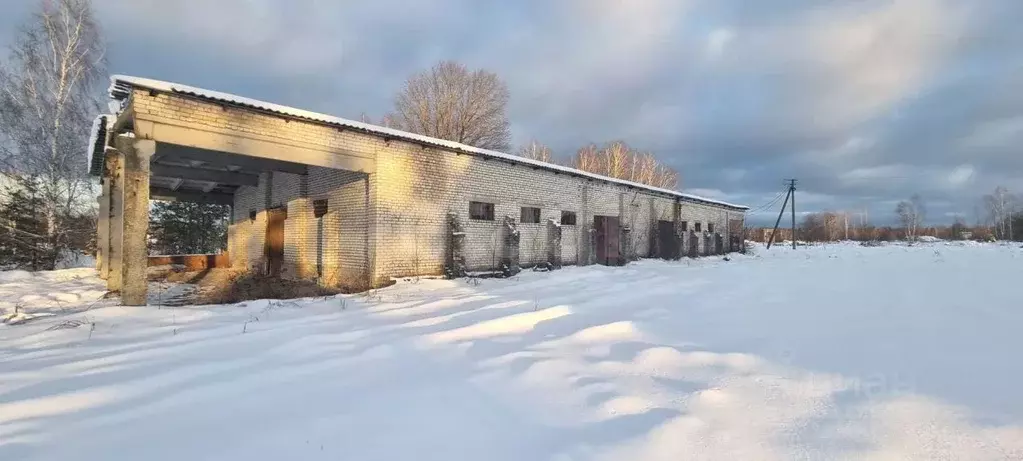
(115, 179)
(103, 230)
(584, 226)
(371, 238)
(135, 256)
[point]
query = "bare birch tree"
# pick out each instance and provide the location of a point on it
(537, 151)
(451, 102)
(586, 159)
(618, 160)
(1000, 207)
(911, 214)
(48, 95)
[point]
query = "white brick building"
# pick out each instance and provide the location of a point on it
(361, 204)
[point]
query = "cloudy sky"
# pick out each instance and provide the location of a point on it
(866, 102)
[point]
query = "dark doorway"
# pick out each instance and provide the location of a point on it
(694, 244)
(667, 240)
(736, 243)
(607, 229)
(275, 240)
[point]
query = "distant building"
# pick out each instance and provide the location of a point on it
(763, 234)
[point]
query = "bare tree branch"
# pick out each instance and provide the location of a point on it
(537, 151)
(450, 102)
(618, 160)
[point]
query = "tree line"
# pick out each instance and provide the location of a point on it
(1002, 220)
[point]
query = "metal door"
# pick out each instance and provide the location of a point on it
(667, 240)
(607, 240)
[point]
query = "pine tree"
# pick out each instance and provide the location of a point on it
(188, 228)
(23, 229)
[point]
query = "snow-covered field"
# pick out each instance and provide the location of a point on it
(838, 352)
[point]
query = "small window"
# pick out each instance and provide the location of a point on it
(319, 207)
(530, 215)
(567, 218)
(710, 227)
(684, 226)
(481, 211)
(696, 227)
(252, 215)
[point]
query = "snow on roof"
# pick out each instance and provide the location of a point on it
(120, 88)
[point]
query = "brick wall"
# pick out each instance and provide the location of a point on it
(417, 187)
(339, 238)
(197, 112)
(393, 222)
(246, 236)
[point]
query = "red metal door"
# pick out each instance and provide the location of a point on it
(607, 240)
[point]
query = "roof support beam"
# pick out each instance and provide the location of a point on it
(169, 131)
(199, 174)
(167, 195)
(197, 156)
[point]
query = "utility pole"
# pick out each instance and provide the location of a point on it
(792, 192)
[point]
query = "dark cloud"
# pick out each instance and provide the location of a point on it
(866, 102)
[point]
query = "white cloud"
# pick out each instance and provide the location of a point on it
(961, 175)
(717, 41)
(840, 66)
(995, 134)
(876, 173)
(298, 37)
(835, 155)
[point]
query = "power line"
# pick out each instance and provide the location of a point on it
(769, 204)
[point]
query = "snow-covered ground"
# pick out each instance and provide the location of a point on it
(836, 352)
(24, 294)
